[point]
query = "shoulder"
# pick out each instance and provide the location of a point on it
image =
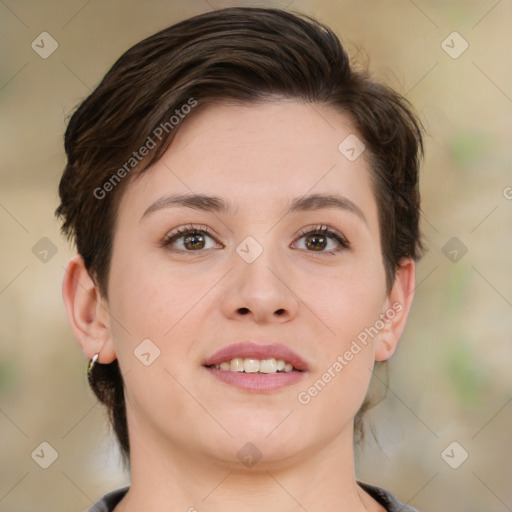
(388, 500)
(109, 501)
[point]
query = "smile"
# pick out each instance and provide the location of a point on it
(249, 365)
(256, 367)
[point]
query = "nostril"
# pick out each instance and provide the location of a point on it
(243, 311)
(280, 312)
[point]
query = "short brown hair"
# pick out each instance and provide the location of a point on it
(244, 55)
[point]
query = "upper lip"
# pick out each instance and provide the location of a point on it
(248, 349)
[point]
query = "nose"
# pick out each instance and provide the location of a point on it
(259, 292)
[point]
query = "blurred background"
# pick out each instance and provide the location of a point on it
(443, 434)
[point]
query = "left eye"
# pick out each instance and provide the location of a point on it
(323, 239)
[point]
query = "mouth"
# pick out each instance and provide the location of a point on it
(249, 365)
(255, 367)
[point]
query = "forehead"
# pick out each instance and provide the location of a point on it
(266, 153)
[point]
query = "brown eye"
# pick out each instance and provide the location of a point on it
(189, 240)
(194, 241)
(323, 240)
(316, 242)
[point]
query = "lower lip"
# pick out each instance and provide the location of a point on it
(257, 382)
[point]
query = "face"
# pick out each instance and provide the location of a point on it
(269, 269)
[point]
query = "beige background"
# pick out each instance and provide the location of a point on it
(451, 378)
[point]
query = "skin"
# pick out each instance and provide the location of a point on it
(186, 427)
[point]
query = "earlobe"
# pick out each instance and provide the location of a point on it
(396, 310)
(87, 311)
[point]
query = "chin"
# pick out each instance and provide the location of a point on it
(263, 424)
(263, 454)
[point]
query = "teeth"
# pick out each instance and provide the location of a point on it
(268, 366)
(236, 365)
(249, 365)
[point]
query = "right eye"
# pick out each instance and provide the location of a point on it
(189, 239)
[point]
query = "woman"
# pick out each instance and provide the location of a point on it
(235, 288)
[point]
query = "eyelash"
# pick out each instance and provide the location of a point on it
(317, 230)
(186, 230)
(328, 232)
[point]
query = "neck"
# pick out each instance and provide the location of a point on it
(169, 478)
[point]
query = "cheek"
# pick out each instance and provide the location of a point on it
(348, 304)
(345, 351)
(147, 302)
(349, 308)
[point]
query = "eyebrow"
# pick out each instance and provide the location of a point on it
(201, 202)
(207, 203)
(325, 201)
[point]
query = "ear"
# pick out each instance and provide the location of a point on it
(87, 312)
(396, 309)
